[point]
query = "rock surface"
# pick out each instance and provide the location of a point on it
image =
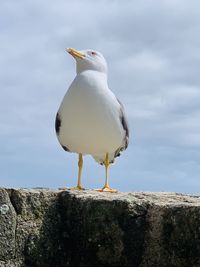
(46, 228)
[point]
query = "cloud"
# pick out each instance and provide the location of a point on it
(152, 50)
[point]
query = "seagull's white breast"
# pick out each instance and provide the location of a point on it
(89, 113)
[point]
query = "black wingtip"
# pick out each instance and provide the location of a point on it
(57, 123)
(65, 148)
(124, 123)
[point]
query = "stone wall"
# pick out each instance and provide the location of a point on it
(46, 228)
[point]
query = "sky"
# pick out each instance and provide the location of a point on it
(153, 53)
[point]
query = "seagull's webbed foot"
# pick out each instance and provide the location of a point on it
(107, 189)
(80, 166)
(79, 188)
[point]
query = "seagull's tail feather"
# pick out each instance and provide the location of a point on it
(101, 158)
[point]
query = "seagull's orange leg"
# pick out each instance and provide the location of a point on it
(106, 187)
(80, 167)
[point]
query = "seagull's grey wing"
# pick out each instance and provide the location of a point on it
(57, 128)
(124, 123)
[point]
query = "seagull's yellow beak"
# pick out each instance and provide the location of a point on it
(75, 53)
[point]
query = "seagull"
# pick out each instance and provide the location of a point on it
(91, 119)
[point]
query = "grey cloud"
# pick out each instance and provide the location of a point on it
(152, 50)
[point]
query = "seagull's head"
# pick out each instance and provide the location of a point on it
(88, 60)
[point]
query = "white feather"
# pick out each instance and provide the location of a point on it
(90, 117)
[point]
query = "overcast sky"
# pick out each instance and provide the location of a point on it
(153, 54)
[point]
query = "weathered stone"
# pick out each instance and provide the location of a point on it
(51, 228)
(7, 227)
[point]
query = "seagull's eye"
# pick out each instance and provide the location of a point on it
(93, 53)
